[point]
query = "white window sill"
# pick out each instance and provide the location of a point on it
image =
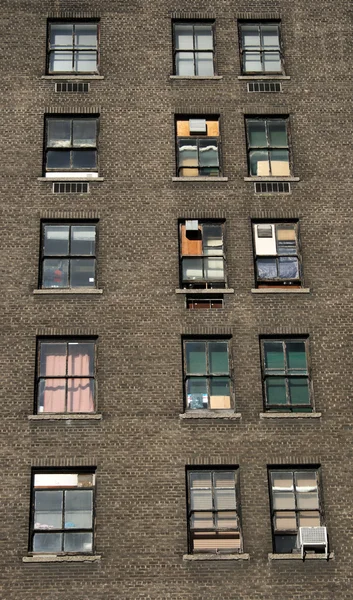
(65, 417)
(203, 291)
(197, 77)
(72, 76)
(271, 178)
(290, 415)
(307, 556)
(49, 558)
(197, 179)
(264, 77)
(198, 557)
(83, 179)
(55, 291)
(280, 290)
(228, 415)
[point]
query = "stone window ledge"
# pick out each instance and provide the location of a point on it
(290, 415)
(207, 292)
(66, 417)
(49, 558)
(197, 77)
(54, 291)
(211, 414)
(307, 556)
(264, 77)
(72, 77)
(281, 290)
(198, 557)
(201, 178)
(271, 178)
(70, 179)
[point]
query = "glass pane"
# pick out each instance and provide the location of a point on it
(187, 153)
(83, 159)
(274, 357)
(184, 64)
(204, 64)
(285, 521)
(227, 519)
(266, 268)
(259, 163)
(80, 395)
(200, 479)
(78, 542)
(224, 479)
(309, 519)
(60, 62)
(282, 480)
(214, 269)
(286, 239)
(277, 132)
(257, 133)
(218, 356)
(203, 37)
(81, 358)
(270, 37)
(55, 273)
(299, 390)
(220, 387)
(61, 35)
(78, 509)
(296, 356)
(52, 359)
(208, 153)
(276, 390)
(224, 499)
(58, 133)
(280, 163)
(283, 500)
(252, 62)
(192, 269)
(183, 37)
(52, 395)
(85, 62)
(47, 542)
(195, 357)
(288, 268)
(56, 240)
(212, 240)
(306, 481)
(202, 520)
(86, 35)
(196, 390)
(58, 159)
(84, 132)
(272, 62)
(201, 499)
(308, 500)
(83, 272)
(250, 36)
(48, 510)
(83, 239)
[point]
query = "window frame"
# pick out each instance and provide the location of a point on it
(269, 148)
(65, 340)
(194, 23)
(262, 50)
(197, 138)
(294, 469)
(32, 530)
(289, 406)
(203, 283)
(222, 530)
(49, 50)
(69, 257)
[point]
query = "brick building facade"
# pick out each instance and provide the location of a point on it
(176, 299)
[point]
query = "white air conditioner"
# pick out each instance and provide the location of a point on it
(197, 125)
(313, 537)
(265, 240)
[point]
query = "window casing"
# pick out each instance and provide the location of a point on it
(295, 502)
(68, 255)
(286, 379)
(268, 147)
(277, 254)
(207, 374)
(260, 48)
(193, 49)
(72, 47)
(62, 512)
(214, 511)
(198, 147)
(71, 147)
(202, 257)
(65, 376)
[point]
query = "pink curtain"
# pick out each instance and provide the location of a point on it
(54, 392)
(79, 389)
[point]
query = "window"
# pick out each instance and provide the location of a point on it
(71, 147)
(68, 255)
(73, 47)
(202, 254)
(260, 47)
(200, 303)
(295, 502)
(198, 147)
(268, 147)
(213, 511)
(285, 375)
(193, 49)
(62, 512)
(207, 374)
(277, 256)
(66, 376)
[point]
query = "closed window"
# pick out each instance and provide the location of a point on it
(198, 147)
(277, 254)
(202, 254)
(73, 47)
(285, 371)
(68, 255)
(268, 147)
(65, 376)
(193, 49)
(62, 512)
(71, 147)
(207, 374)
(260, 47)
(213, 511)
(295, 502)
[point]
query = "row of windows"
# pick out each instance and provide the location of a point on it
(66, 375)
(73, 47)
(63, 509)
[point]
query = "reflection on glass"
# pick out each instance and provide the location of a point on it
(58, 133)
(78, 542)
(47, 542)
(184, 63)
(48, 510)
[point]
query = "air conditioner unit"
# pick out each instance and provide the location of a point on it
(313, 537)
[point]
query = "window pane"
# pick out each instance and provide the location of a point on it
(85, 62)
(306, 481)
(83, 272)
(296, 356)
(183, 37)
(252, 62)
(274, 357)
(192, 269)
(83, 239)
(187, 155)
(280, 163)
(58, 159)
(309, 519)
(52, 359)
(184, 64)
(285, 521)
(58, 133)
(270, 37)
(86, 35)
(201, 520)
(272, 62)
(227, 519)
(214, 269)
(84, 132)
(220, 389)
(309, 500)
(55, 273)
(195, 357)
(47, 542)
(218, 356)
(250, 36)
(288, 268)
(78, 509)
(48, 510)
(208, 153)
(257, 133)
(276, 390)
(266, 268)
(81, 358)
(61, 35)
(283, 500)
(259, 163)
(196, 390)
(56, 240)
(60, 62)
(83, 159)
(200, 479)
(78, 542)
(51, 395)
(299, 390)
(224, 499)
(201, 499)
(80, 393)
(277, 131)
(286, 239)
(224, 479)
(282, 480)
(203, 37)
(204, 64)
(212, 240)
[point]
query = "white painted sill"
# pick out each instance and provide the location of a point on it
(199, 557)
(57, 291)
(196, 77)
(203, 291)
(66, 417)
(307, 556)
(280, 290)
(55, 558)
(264, 77)
(290, 415)
(72, 77)
(271, 178)
(228, 415)
(198, 179)
(71, 179)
